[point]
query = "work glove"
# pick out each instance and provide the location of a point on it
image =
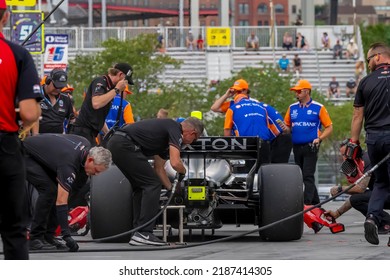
(353, 150)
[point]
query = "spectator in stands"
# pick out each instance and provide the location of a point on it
(325, 41)
(190, 41)
(351, 87)
(200, 43)
(287, 41)
(298, 21)
(338, 50)
(334, 88)
(162, 114)
(301, 42)
(359, 70)
(297, 65)
(252, 42)
(352, 50)
(160, 41)
(284, 64)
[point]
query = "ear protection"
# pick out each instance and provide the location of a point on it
(48, 79)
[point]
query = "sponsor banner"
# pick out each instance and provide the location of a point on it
(56, 52)
(21, 2)
(218, 36)
(23, 23)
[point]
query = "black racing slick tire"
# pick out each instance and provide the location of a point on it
(111, 205)
(281, 195)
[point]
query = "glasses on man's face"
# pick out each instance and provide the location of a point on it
(372, 56)
(300, 91)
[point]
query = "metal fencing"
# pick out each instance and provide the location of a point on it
(175, 37)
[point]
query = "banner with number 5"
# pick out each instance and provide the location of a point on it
(56, 52)
(23, 23)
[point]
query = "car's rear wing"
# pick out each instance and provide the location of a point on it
(227, 147)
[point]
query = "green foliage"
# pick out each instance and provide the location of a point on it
(138, 52)
(375, 33)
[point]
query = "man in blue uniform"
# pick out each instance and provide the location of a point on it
(305, 119)
(19, 84)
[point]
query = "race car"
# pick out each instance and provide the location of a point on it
(229, 180)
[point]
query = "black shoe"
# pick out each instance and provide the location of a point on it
(40, 244)
(146, 238)
(71, 244)
(371, 231)
(55, 242)
(384, 229)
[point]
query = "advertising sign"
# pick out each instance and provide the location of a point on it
(56, 52)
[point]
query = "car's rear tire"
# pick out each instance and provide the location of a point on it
(281, 195)
(111, 205)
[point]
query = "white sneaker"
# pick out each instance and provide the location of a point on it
(146, 238)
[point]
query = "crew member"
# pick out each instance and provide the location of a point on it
(305, 119)
(132, 145)
(371, 105)
(360, 194)
(56, 107)
(55, 163)
(19, 84)
(280, 142)
(97, 102)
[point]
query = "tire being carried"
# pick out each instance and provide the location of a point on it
(111, 205)
(281, 195)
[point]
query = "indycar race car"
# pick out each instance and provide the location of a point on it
(229, 180)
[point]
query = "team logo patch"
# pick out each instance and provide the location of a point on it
(61, 103)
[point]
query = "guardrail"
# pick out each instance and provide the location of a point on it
(175, 37)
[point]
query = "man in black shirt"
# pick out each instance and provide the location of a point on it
(56, 107)
(371, 105)
(19, 85)
(132, 145)
(55, 163)
(98, 100)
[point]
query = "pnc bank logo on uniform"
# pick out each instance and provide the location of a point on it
(303, 124)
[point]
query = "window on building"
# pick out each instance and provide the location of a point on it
(262, 8)
(212, 6)
(279, 8)
(259, 23)
(243, 23)
(243, 9)
(294, 9)
(266, 23)
(212, 23)
(282, 23)
(203, 6)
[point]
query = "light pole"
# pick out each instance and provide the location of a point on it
(354, 20)
(272, 15)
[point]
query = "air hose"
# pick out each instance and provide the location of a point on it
(228, 238)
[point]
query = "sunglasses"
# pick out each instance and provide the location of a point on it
(371, 56)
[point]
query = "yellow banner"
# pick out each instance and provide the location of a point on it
(21, 2)
(218, 36)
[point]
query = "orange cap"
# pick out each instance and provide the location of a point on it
(67, 88)
(302, 84)
(127, 90)
(240, 85)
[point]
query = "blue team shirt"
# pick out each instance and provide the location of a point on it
(112, 114)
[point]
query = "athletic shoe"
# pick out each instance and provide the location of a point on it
(145, 238)
(384, 229)
(71, 243)
(55, 242)
(40, 244)
(371, 231)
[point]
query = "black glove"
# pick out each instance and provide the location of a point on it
(180, 176)
(353, 150)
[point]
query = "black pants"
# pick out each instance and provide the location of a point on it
(87, 133)
(145, 184)
(305, 157)
(360, 201)
(281, 148)
(14, 216)
(45, 213)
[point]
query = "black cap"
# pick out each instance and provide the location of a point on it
(127, 70)
(59, 78)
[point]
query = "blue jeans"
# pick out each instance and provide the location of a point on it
(378, 145)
